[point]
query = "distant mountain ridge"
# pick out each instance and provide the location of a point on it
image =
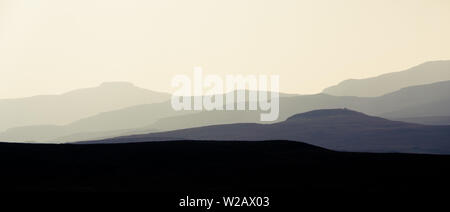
(426, 73)
(336, 129)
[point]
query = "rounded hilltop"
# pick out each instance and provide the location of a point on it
(323, 113)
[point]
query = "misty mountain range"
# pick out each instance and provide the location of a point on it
(119, 109)
(417, 101)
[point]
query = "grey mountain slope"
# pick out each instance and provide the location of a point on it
(425, 73)
(337, 129)
(74, 105)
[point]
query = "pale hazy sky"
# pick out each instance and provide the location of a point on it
(52, 46)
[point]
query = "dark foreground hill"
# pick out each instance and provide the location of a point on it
(207, 166)
(336, 129)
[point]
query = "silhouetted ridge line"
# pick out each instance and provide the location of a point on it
(326, 113)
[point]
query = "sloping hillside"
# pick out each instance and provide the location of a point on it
(72, 106)
(425, 73)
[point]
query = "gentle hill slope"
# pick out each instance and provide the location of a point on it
(425, 73)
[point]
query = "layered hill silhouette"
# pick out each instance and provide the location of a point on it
(74, 105)
(336, 129)
(116, 109)
(431, 100)
(425, 73)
